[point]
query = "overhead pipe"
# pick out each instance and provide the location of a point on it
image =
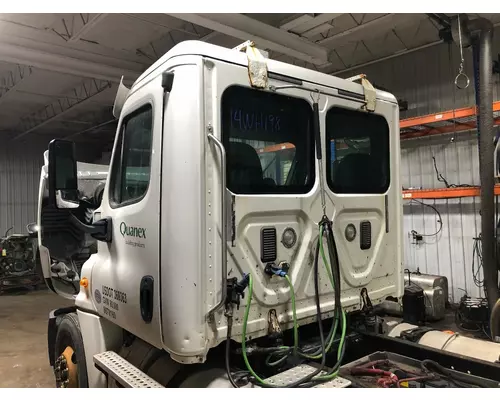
(479, 33)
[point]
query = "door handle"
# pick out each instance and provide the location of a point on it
(146, 298)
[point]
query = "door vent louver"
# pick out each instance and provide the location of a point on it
(365, 228)
(268, 245)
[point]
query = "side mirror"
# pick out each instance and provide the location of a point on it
(63, 181)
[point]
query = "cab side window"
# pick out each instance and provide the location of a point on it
(131, 168)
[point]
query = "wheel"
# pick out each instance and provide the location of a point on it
(70, 368)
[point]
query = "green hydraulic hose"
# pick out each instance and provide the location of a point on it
(323, 255)
(294, 313)
(330, 276)
(244, 333)
(332, 337)
(334, 373)
(286, 349)
(243, 342)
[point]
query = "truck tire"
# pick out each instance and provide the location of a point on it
(70, 354)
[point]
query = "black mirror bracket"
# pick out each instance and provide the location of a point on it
(101, 230)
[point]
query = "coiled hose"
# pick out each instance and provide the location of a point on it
(334, 277)
(309, 377)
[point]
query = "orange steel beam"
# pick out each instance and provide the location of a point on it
(443, 116)
(449, 193)
(437, 117)
(444, 129)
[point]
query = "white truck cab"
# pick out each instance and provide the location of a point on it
(214, 176)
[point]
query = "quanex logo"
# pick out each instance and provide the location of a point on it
(133, 231)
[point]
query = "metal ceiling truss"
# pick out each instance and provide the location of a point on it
(309, 25)
(88, 89)
(388, 36)
(96, 121)
(11, 79)
(153, 51)
(372, 28)
(74, 27)
(182, 26)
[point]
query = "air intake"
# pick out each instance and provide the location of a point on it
(268, 245)
(365, 229)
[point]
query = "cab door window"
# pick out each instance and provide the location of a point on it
(131, 168)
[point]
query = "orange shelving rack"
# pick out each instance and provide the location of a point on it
(446, 193)
(461, 119)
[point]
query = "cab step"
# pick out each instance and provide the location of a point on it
(128, 376)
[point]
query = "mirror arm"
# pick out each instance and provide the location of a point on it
(100, 230)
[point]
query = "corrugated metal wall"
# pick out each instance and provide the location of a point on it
(20, 166)
(19, 180)
(450, 252)
(426, 80)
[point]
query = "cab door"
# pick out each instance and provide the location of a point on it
(125, 277)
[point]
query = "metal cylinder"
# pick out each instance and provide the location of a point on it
(479, 32)
(482, 32)
(454, 343)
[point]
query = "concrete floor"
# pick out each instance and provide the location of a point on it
(23, 338)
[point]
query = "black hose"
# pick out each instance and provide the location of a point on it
(334, 267)
(228, 350)
(318, 307)
(307, 380)
(318, 315)
(457, 380)
(332, 250)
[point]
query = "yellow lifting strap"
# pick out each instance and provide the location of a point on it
(257, 66)
(370, 93)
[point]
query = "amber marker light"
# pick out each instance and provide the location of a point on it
(84, 282)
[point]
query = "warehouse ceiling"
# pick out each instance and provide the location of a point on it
(59, 72)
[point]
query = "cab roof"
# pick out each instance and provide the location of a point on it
(193, 47)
